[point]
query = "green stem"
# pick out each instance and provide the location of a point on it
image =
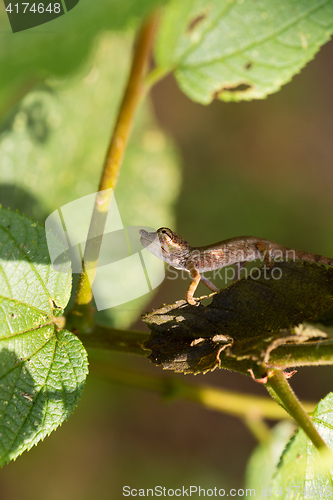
(127, 341)
(81, 316)
(132, 96)
(239, 405)
(283, 357)
(155, 76)
(258, 428)
(278, 382)
(319, 353)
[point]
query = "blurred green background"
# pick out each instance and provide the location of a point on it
(261, 168)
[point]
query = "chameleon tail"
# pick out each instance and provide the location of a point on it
(310, 257)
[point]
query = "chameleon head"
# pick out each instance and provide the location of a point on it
(166, 245)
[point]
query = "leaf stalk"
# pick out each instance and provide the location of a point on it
(279, 385)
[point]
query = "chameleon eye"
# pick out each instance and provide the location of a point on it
(166, 234)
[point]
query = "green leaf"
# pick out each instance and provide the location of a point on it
(300, 464)
(240, 50)
(265, 458)
(42, 368)
(60, 46)
(246, 320)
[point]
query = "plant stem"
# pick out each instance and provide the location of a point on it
(105, 338)
(155, 76)
(278, 382)
(258, 428)
(319, 353)
(133, 92)
(236, 404)
(81, 316)
(283, 357)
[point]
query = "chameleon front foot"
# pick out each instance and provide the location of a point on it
(196, 301)
(193, 286)
(191, 300)
(196, 277)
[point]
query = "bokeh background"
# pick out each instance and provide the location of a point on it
(262, 168)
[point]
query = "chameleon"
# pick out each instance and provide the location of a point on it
(177, 252)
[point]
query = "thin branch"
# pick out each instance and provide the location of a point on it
(318, 353)
(127, 341)
(236, 404)
(81, 316)
(284, 357)
(278, 382)
(155, 76)
(133, 92)
(258, 428)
